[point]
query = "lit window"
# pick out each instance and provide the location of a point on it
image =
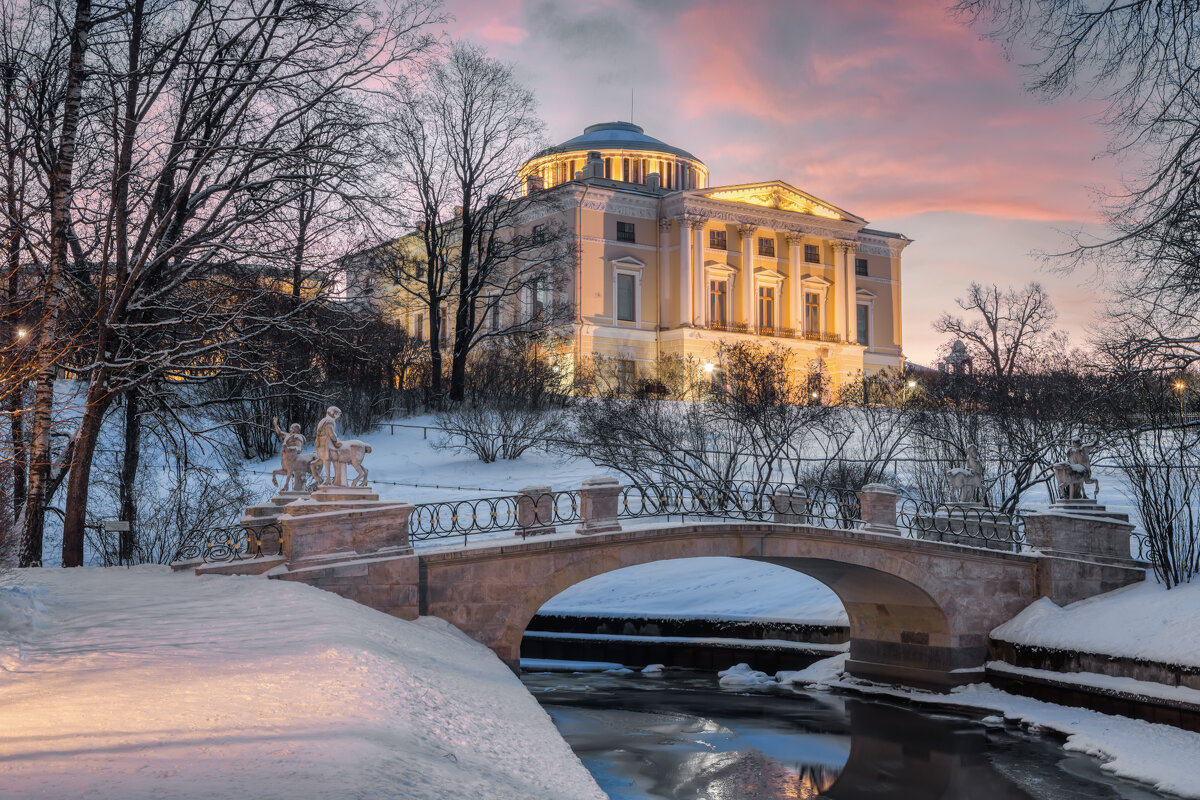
(626, 300)
(812, 312)
(766, 246)
(860, 266)
(766, 307)
(812, 254)
(625, 232)
(717, 240)
(419, 326)
(718, 299)
(863, 325)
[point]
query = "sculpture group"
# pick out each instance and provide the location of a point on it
(327, 465)
(1071, 476)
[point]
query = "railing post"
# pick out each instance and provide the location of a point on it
(535, 510)
(791, 505)
(598, 503)
(878, 501)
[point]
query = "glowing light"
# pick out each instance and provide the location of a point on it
(1180, 386)
(815, 395)
(912, 384)
(22, 333)
(708, 368)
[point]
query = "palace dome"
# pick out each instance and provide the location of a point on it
(628, 156)
(617, 135)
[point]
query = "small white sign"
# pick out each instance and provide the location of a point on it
(116, 525)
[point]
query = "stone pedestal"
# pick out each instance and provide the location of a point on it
(340, 521)
(878, 502)
(791, 506)
(1086, 507)
(599, 499)
(1069, 532)
(262, 522)
(535, 510)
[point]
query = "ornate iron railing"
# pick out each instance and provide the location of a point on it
(528, 514)
(960, 524)
(230, 543)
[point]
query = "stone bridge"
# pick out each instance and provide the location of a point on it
(920, 611)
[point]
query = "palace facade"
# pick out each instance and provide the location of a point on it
(670, 265)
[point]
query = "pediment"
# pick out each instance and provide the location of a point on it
(781, 196)
(628, 261)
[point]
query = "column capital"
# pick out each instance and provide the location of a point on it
(746, 229)
(795, 238)
(691, 220)
(845, 245)
(664, 224)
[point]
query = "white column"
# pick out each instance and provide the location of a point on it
(664, 273)
(686, 294)
(795, 269)
(839, 290)
(851, 294)
(700, 312)
(747, 234)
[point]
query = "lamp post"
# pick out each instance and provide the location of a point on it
(1180, 388)
(909, 384)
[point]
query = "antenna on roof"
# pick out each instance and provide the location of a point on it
(631, 105)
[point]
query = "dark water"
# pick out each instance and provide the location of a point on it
(684, 738)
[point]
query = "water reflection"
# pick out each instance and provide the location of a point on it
(675, 738)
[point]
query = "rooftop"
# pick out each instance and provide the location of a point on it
(616, 135)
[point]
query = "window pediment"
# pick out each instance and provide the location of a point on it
(628, 262)
(815, 280)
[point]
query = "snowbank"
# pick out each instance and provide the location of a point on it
(703, 588)
(1143, 621)
(134, 683)
(818, 673)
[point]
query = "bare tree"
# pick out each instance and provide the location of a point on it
(1139, 55)
(203, 123)
(488, 253)
(1005, 330)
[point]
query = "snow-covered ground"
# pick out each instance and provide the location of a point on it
(143, 683)
(1142, 621)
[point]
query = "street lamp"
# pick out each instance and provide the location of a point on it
(1180, 386)
(22, 333)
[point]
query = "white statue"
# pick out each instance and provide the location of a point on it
(1074, 473)
(334, 454)
(966, 483)
(294, 465)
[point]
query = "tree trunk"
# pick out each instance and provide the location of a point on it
(16, 398)
(86, 437)
(129, 468)
(60, 198)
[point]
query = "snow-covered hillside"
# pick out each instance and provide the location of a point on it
(142, 683)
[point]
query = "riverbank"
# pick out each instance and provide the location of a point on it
(118, 683)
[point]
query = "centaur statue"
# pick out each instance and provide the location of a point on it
(333, 454)
(1072, 474)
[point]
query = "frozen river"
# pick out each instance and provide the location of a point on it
(682, 737)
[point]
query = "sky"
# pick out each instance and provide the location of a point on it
(895, 111)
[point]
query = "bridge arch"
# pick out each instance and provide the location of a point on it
(919, 612)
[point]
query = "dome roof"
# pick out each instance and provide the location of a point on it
(614, 136)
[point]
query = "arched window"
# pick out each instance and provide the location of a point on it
(625, 169)
(608, 168)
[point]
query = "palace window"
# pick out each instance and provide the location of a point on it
(542, 305)
(717, 240)
(860, 266)
(493, 313)
(766, 307)
(539, 234)
(812, 312)
(766, 246)
(718, 302)
(626, 297)
(812, 254)
(419, 326)
(863, 331)
(444, 332)
(608, 168)
(625, 232)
